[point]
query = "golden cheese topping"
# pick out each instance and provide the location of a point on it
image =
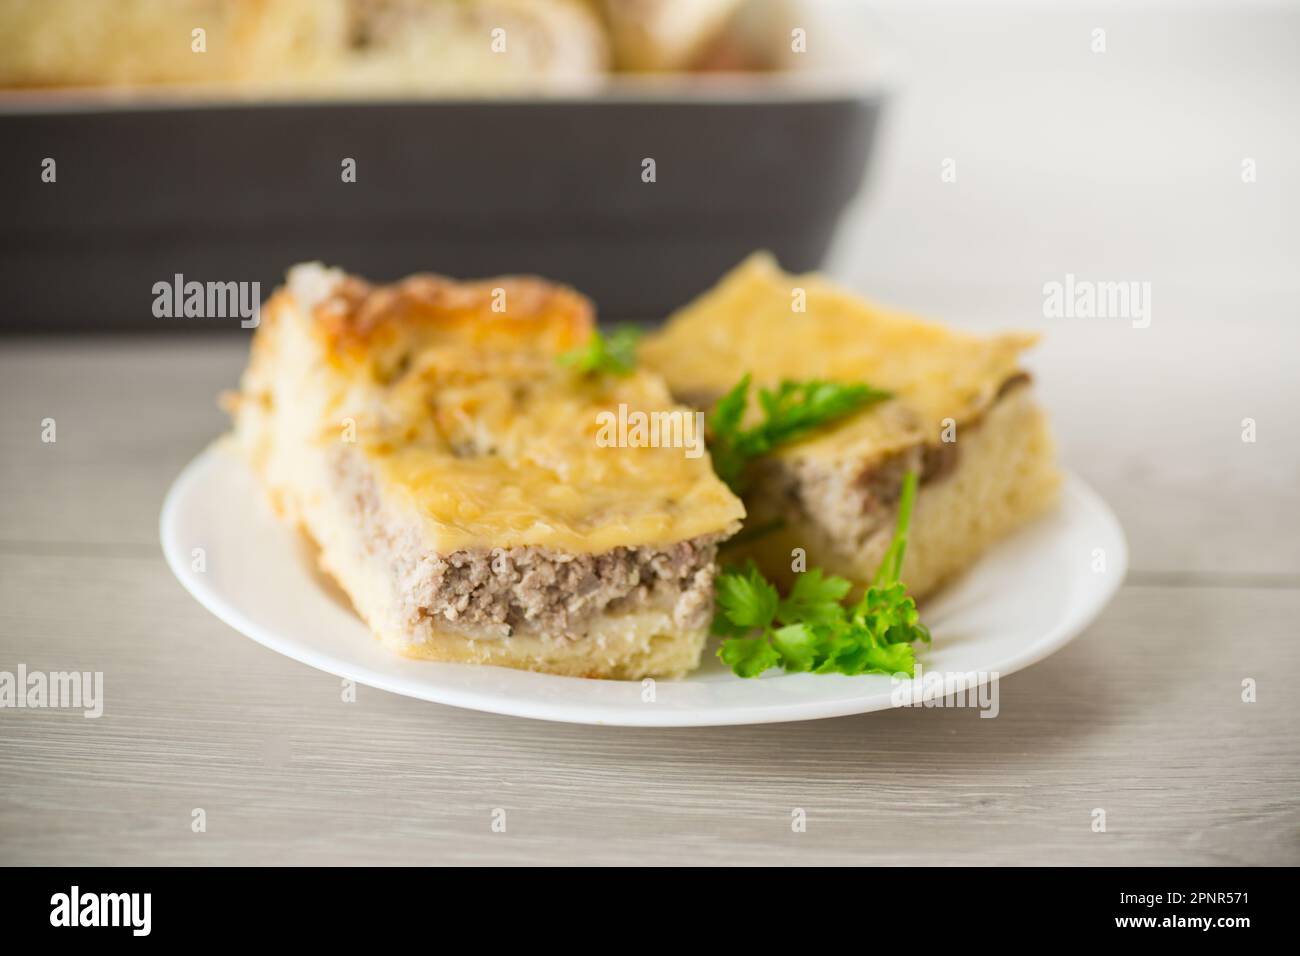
(467, 417)
(749, 323)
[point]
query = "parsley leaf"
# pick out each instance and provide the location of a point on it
(851, 654)
(799, 645)
(815, 599)
(615, 355)
(796, 408)
(810, 629)
(791, 411)
(746, 599)
(749, 656)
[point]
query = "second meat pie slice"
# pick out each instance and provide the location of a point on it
(962, 416)
(449, 469)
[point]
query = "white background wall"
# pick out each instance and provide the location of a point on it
(1123, 165)
(1125, 162)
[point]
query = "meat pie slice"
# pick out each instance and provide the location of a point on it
(448, 468)
(962, 415)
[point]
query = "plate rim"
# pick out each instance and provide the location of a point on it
(234, 617)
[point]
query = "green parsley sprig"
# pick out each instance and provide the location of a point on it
(615, 355)
(810, 629)
(790, 412)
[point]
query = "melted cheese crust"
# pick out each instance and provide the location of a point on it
(747, 323)
(469, 421)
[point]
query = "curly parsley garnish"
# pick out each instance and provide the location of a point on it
(615, 354)
(810, 629)
(790, 412)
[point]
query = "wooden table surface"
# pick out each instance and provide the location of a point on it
(1141, 716)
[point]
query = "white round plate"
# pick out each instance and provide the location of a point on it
(1024, 600)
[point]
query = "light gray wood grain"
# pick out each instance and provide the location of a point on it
(1141, 717)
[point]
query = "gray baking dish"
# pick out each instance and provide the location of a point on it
(164, 182)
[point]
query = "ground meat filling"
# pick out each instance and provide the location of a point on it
(856, 502)
(851, 500)
(536, 590)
